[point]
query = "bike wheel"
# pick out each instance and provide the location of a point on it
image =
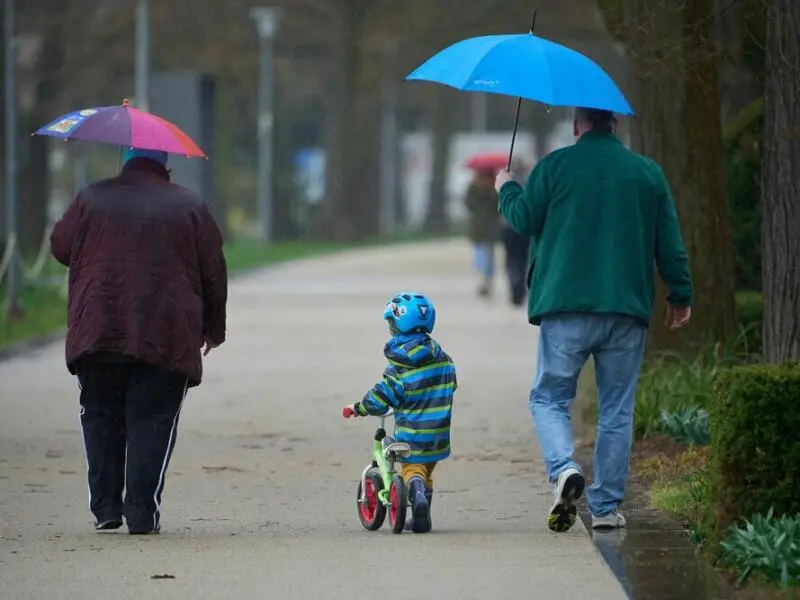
(399, 504)
(371, 512)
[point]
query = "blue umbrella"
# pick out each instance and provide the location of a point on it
(525, 66)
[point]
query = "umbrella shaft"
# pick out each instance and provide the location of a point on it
(514, 134)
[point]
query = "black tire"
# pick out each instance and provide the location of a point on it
(399, 505)
(373, 513)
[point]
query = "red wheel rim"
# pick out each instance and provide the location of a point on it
(369, 508)
(393, 505)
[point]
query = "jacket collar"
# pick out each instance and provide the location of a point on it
(137, 166)
(596, 136)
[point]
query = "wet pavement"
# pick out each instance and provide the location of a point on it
(653, 557)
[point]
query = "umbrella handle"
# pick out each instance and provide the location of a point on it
(514, 134)
(519, 105)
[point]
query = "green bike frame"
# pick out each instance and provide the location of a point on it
(384, 465)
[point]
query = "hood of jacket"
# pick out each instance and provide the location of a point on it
(412, 351)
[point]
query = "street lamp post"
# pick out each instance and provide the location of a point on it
(266, 24)
(10, 43)
(142, 74)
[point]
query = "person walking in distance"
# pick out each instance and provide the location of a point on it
(481, 202)
(599, 216)
(148, 288)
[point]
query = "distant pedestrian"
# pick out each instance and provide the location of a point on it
(599, 217)
(516, 247)
(147, 289)
(418, 384)
(481, 202)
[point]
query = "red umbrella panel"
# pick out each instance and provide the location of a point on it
(487, 161)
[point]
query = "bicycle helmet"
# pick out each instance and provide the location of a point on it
(410, 313)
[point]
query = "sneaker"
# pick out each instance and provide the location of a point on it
(613, 520)
(569, 488)
(108, 525)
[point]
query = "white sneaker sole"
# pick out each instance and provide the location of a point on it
(564, 513)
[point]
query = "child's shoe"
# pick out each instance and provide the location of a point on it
(410, 520)
(420, 506)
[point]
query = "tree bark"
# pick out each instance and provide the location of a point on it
(710, 237)
(780, 184)
(34, 174)
(349, 211)
(444, 117)
(677, 101)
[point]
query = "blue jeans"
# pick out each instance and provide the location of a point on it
(484, 259)
(565, 342)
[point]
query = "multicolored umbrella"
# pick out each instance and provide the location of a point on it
(122, 126)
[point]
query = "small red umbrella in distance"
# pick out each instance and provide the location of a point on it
(487, 161)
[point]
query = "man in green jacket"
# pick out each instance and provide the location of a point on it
(599, 217)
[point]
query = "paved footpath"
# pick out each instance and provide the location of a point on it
(260, 498)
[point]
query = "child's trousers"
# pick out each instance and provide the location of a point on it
(419, 470)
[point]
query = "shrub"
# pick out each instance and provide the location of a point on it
(687, 425)
(755, 442)
(765, 545)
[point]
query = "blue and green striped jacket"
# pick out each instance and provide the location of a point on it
(418, 384)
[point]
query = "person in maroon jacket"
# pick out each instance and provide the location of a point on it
(148, 289)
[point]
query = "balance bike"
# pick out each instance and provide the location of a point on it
(381, 490)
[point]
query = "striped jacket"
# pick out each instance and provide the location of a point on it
(418, 383)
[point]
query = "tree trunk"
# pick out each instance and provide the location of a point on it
(711, 234)
(346, 213)
(657, 64)
(3, 143)
(444, 117)
(780, 184)
(676, 91)
(34, 179)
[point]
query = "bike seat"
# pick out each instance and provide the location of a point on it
(399, 449)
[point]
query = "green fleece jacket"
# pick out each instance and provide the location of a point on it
(600, 218)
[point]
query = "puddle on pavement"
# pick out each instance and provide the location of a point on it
(655, 561)
(652, 557)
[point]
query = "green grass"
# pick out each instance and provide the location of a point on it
(44, 313)
(45, 308)
(249, 254)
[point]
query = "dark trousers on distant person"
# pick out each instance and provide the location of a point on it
(129, 414)
(516, 247)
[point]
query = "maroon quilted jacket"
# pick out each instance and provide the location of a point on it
(147, 277)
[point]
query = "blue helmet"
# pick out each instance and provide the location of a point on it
(410, 313)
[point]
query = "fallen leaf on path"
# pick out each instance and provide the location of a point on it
(222, 468)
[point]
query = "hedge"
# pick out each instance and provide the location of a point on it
(755, 443)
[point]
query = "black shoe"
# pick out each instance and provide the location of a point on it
(150, 531)
(420, 509)
(108, 525)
